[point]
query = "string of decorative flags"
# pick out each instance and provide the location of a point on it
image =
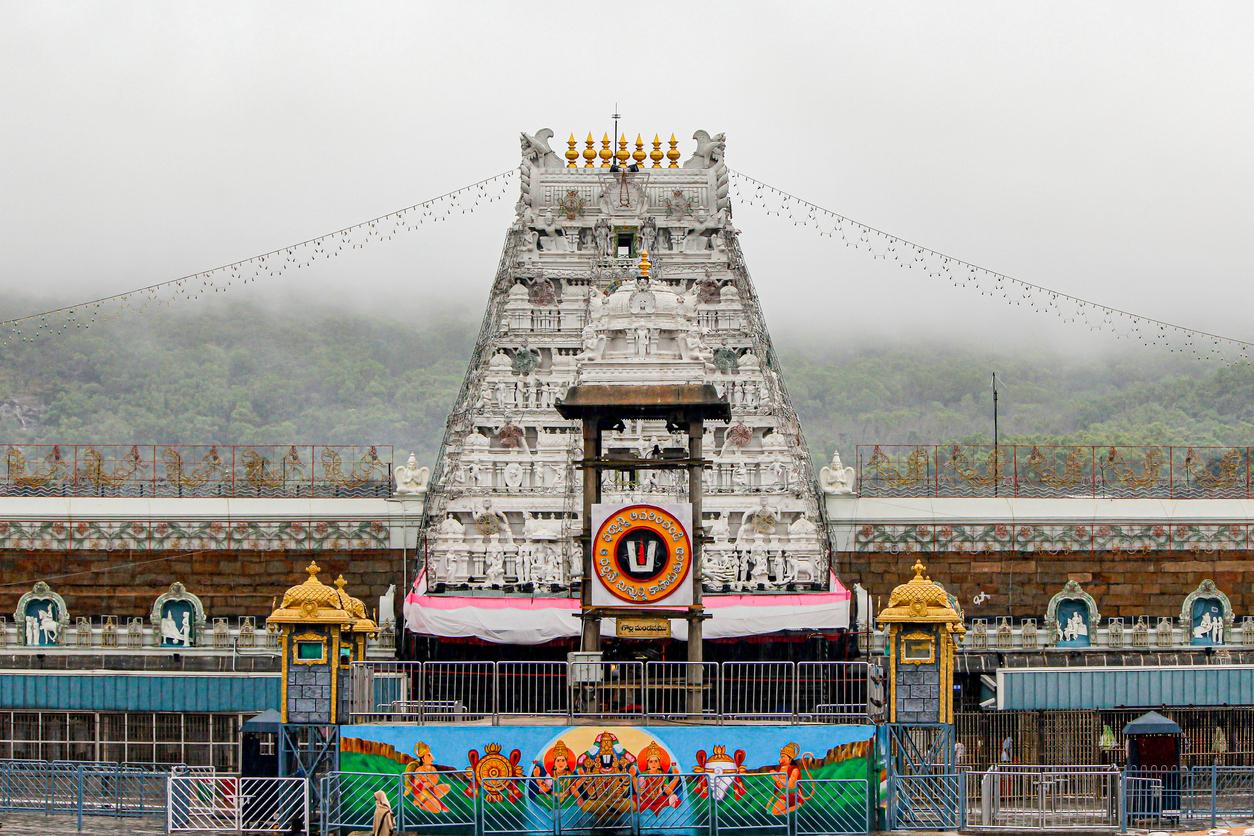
(270, 264)
(1071, 309)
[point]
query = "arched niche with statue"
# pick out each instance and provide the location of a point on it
(41, 617)
(1206, 615)
(1072, 617)
(178, 617)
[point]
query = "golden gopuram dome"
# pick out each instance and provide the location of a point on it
(920, 600)
(313, 602)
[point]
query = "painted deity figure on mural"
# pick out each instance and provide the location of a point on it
(657, 781)
(558, 763)
(422, 781)
(787, 797)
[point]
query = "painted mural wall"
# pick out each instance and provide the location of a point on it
(756, 778)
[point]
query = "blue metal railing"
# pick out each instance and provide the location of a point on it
(78, 789)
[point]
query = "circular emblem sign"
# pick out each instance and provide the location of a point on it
(642, 554)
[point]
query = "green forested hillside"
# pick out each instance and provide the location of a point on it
(251, 374)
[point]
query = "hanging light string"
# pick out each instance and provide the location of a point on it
(270, 264)
(1072, 309)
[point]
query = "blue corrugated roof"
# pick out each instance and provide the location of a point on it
(115, 691)
(1058, 688)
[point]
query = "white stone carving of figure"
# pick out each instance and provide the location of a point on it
(492, 521)
(48, 626)
(410, 478)
(720, 528)
(648, 234)
(601, 233)
(740, 477)
(742, 573)
(536, 150)
(524, 563)
(387, 607)
(32, 630)
(553, 240)
(1075, 628)
(691, 347)
(504, 396)
(836, 478)
(593, 344)
(552, 565)
(710, 150)
(170, 631)
(596, 304)
(642, 334)
(648, 482)
(696, 240)
(764, 518)
(761, 569)
(779, 475)
(494, 562)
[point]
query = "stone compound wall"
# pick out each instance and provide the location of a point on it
(229, 583)
(1123, 583)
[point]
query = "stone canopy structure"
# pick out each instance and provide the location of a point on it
(621, 266)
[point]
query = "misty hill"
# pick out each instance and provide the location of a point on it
(254, 375)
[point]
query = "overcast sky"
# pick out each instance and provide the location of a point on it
(1104, 149)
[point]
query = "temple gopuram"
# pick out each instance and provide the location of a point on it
(1080, 585)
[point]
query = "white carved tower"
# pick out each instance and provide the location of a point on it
(568, 305)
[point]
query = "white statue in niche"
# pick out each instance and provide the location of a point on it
(412, 479)
(836, 478)
(32, 630)
(494, 562)
(175, 633)
(1075, 628)
(641, 336)
(1210, 627)
(761, 567)
(48, 627)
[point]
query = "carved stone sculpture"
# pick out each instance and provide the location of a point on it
(836, 478)
(709, 150)
(412, 479)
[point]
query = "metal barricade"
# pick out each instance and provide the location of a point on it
(758, 690)
(681, 691)
(214, 804)
(759, 804)
(925, 801)
(832, 806)
(596, 803)
(422, 802)
(532, 688)
(485, 692)
(458, 692)
(830, 690)
(1048, 799)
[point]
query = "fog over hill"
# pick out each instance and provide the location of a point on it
(246, 373)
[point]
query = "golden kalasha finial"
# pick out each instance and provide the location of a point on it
(918, 568)
(313, 569)
(673, 154)
(606, 153)
(623, 154)
(572, 156)
(639, 154)
(590, 153)
(656, 154)
(645, 266)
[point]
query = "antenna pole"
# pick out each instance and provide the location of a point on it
(996, 445)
